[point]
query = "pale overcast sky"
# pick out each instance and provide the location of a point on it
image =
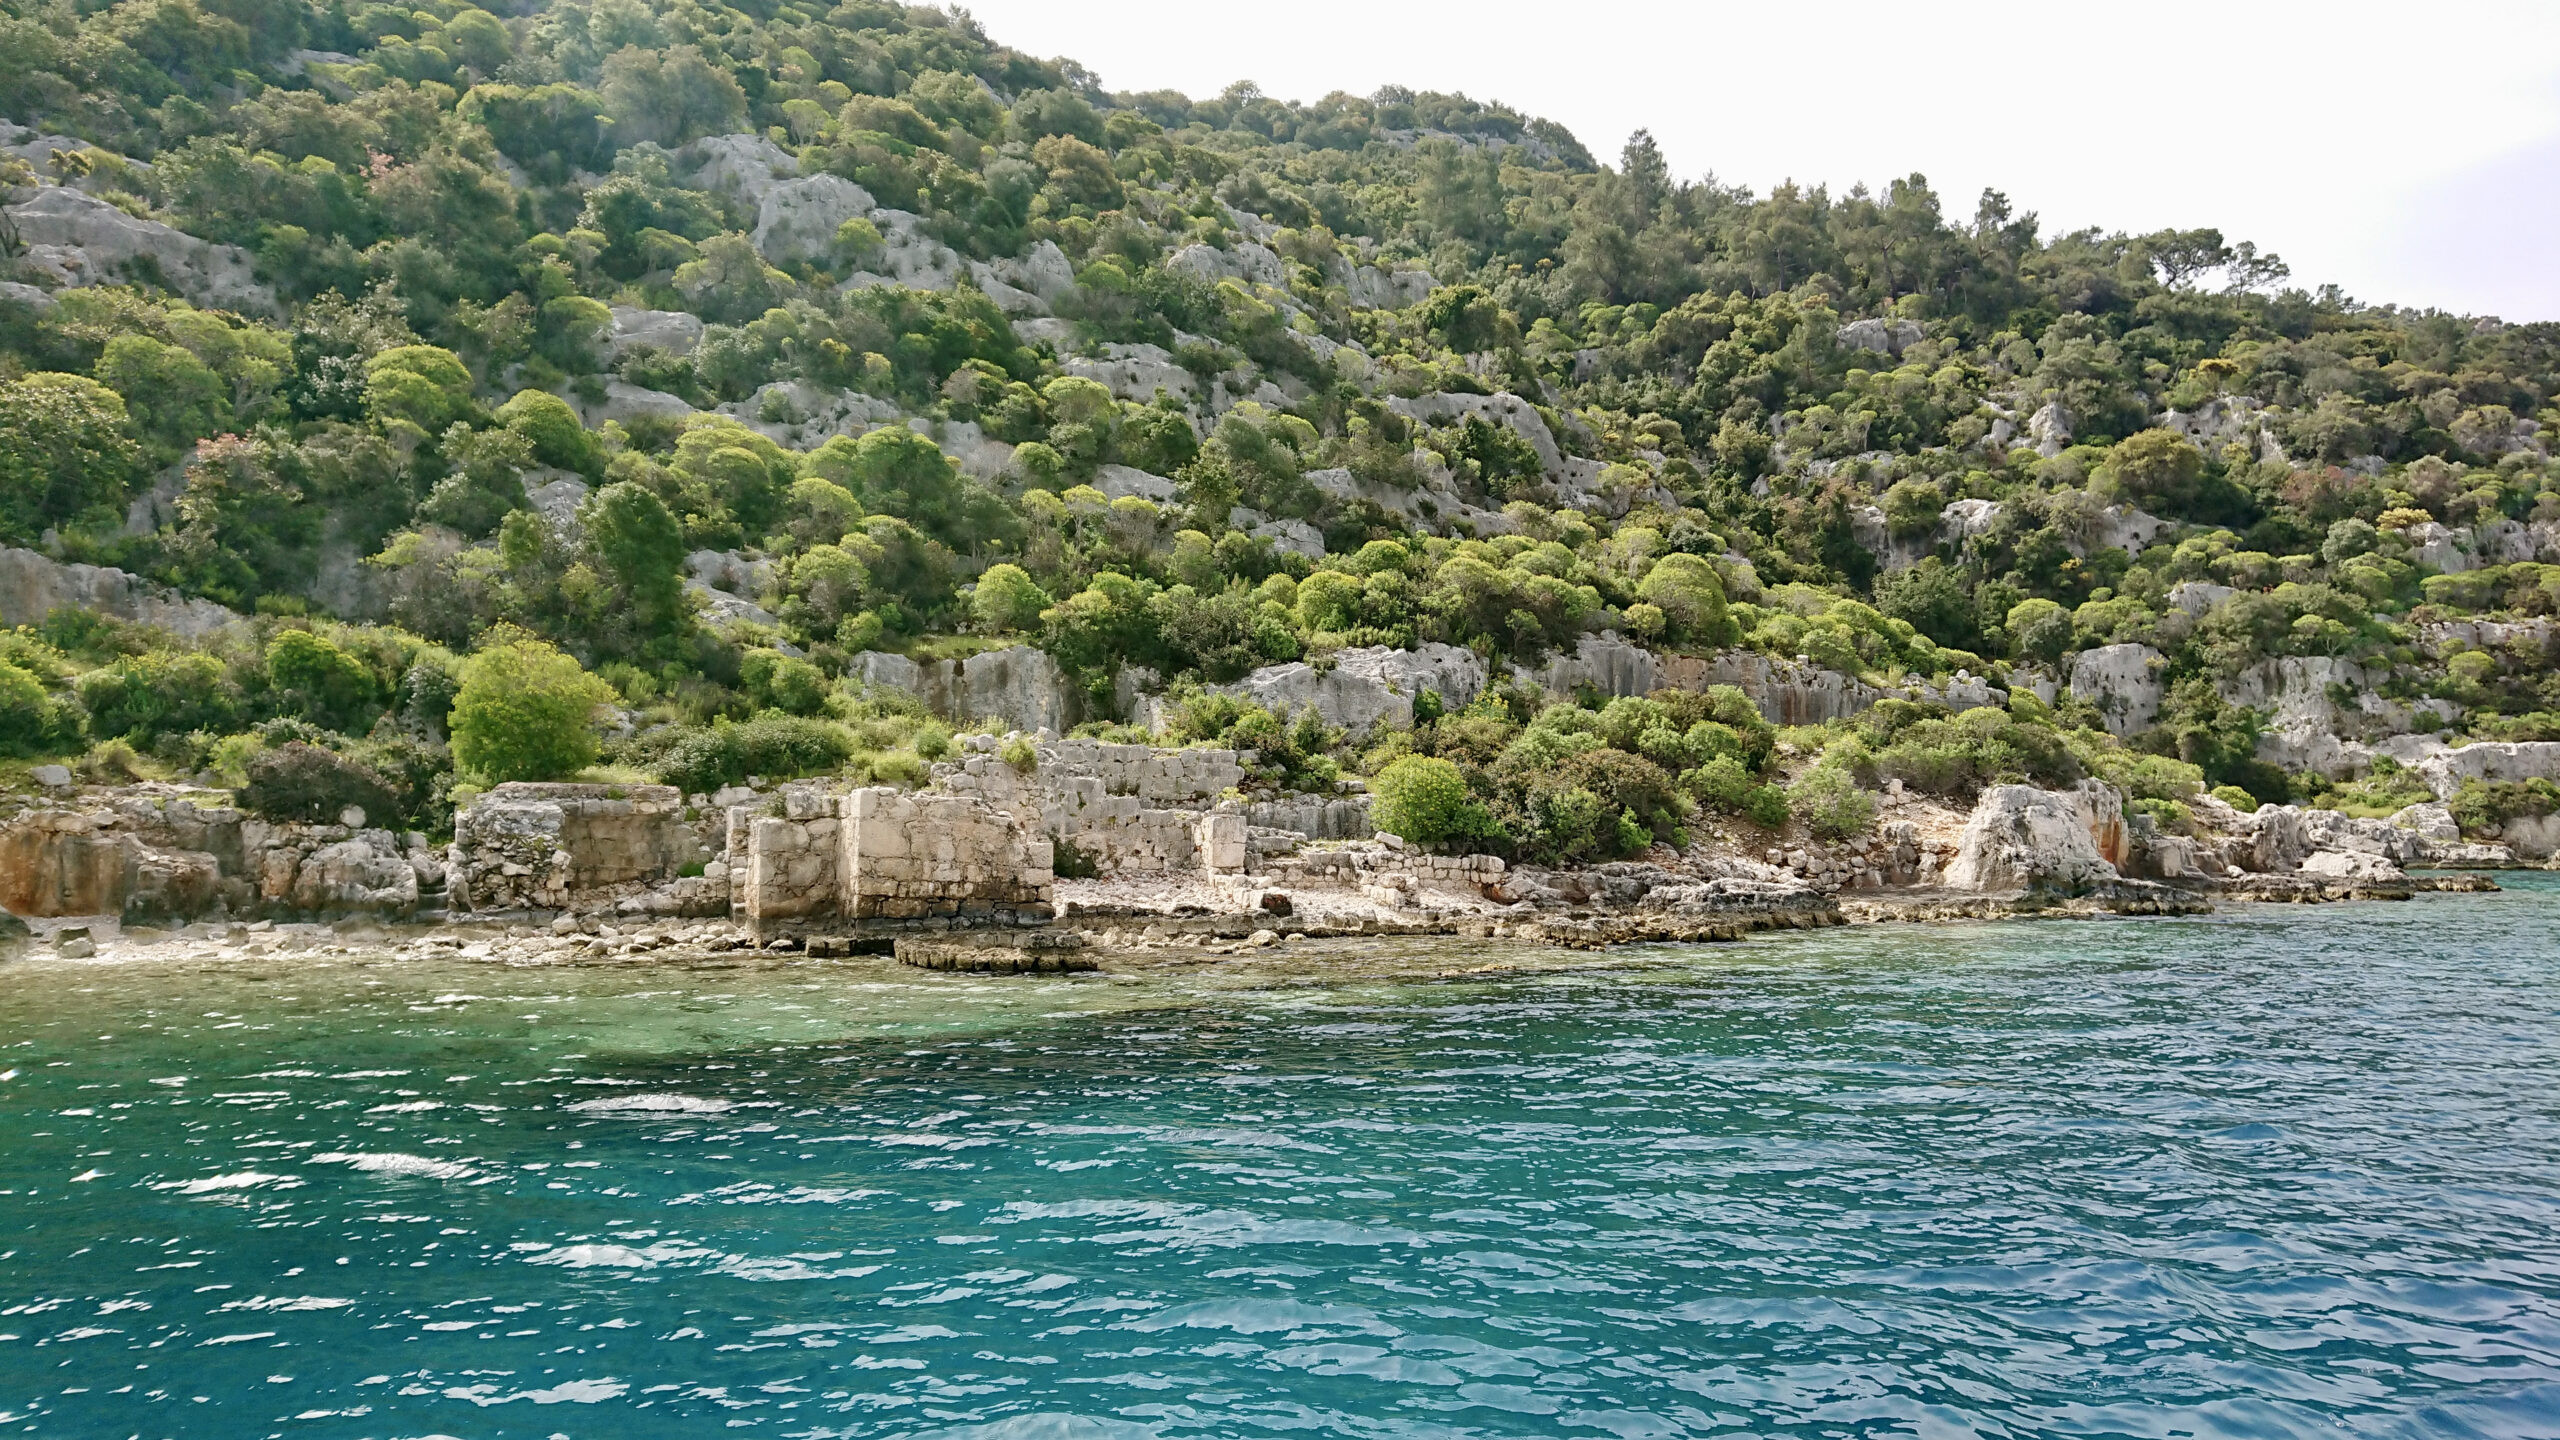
(2410, 154)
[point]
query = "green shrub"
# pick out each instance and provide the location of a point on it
(525, 712)
(772, 746)
(1830, 801)
(302, 782)
(143, 697)
(316, 680)
(1426, 801)
(2235, 797)
(2483, 807)
(33, 722)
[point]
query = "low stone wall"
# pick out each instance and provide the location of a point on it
(909, 856)
(879, 855)
(522, 845)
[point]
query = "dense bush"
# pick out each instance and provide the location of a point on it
(525, 712)
(295, 781)
(1426, 801)
(775, 747)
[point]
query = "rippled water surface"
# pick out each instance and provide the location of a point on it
(2278, 1172)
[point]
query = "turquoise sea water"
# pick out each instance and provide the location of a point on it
(2287, 1171)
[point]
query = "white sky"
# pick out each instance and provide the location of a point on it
(2410, 154)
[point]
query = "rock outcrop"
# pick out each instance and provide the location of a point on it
(797, 219)
(1019, 685)
(78, 239)
(674, 331)
(1361, 689)
(2023, 838)
(33, 585)
(2123, 682)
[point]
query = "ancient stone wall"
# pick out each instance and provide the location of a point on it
(912, 855)
(523, 845)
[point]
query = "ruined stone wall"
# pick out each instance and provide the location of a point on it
(913, 855)
(523, 845)
(792, 867)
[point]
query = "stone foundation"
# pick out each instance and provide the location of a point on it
(525, 846)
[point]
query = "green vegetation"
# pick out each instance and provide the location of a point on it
(1896, 441)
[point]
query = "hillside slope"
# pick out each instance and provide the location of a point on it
(744, 356)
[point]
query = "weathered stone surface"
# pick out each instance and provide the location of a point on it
(33, 585)
(1135, 372)
(62, 863)
(82, 240)
(1884, 337)
(797, 219)
(2123, 682)
(909, 256)
(2023, 838)
(2445, 769)
(542, 846)
(746, 166)
(626, 402)
(1019, 685)
(1364, 687)
(909, 856)
(673, 331)
(1787, 692)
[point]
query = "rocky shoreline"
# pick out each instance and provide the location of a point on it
(1169, 859)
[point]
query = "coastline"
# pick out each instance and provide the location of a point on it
(1118, 939)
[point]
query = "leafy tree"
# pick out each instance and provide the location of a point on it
(1426, 802)
(669, 97)
(525, 711)
(642, 547)
(424, 385)
(552, 429)
(64, 453)
(174, 398)
(319, 682)
(1007, 599)
(1691, 597)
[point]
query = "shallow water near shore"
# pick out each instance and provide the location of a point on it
(2275, 1171)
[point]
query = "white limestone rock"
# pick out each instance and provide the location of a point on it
(1249, 261)
(626, 401)
(910, 256)
(797, 219)
(1365, 687)
(2194, 597)
(1605, 663)
(2049, 429)
(2219, 424)
(2023, 838)
(746, 167)
(2445, 768)
(1884, 337)
(1500, 408)
(2123, 682)
(83, 240)
(1369, 287)
(1125, 481)
(32, 585)
(1135, 372)
(675, 331)
(1019, 685)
